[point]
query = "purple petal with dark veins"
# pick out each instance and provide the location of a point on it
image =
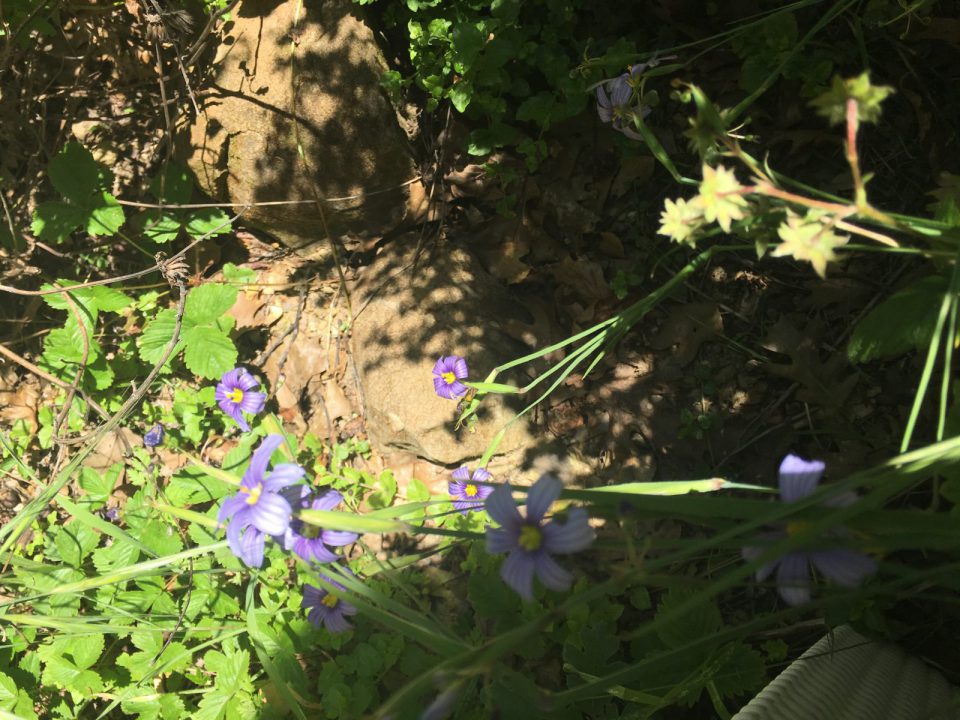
(551, 574)
(845, 567)
(501, 507)
(542, 494)
(793, 578)
(517, 572)
(271, 514)
(571, 537)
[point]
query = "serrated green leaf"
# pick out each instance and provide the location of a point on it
(105, 215)
(113, 557)
(75, 174)
(54, 221)
(208, 222)
(742, 671)
(235, 274)
(209, 353)
(74, 542)
(8, 692)
(161, 537)
(417, 491)
(156, 335)
(208, 303)
(160, 226)
(67, 661)
(701, 621)
(902, 322)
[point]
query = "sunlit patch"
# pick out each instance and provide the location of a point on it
(530, 537)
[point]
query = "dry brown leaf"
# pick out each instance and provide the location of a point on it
(686, 328)
(584, 278)
(500, 247)
(110, 450)
(637, 168)
(247, 310)
(338, 406)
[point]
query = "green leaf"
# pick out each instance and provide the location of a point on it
(160, 226)
(156, 335)
(741, 671)
(75, 174)
(333, 520)
(701, 621)
(386, 491)
(74, 542)
(461, 94)
(54, 221)
(235, 274)
(417, 491)
(67, 660)
(105, 214)
(902, 322)
(207, 303)
(208, 222)
(209, 353)
(8, 692)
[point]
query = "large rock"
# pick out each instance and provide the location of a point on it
(409, 314)
(275, 87)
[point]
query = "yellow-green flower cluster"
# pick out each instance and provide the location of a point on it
(721, 200)
(809, 238)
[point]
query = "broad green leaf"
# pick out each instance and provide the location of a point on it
(209, 353)
(105, 215)
(156, 335)
(386, 491)
(8, 692)
(208, 222)
(75, 174)
(161, 226)
(208, 303)
(741, 670)
(417, 491)
(54, 221)
(902, 322)
(74, 542)
(235, 274)
(699, 622)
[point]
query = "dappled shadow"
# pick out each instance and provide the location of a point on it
(294, 112)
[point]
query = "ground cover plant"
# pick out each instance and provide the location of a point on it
(745, 222)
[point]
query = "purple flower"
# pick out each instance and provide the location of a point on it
(467, 491)
(309, 541)
(530, 541)
(614, 102)
(447, 374)
(259, 509)
(326, 608)
(154, 436)
(234, 396)
(798, 479)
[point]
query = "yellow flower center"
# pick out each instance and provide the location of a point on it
(254, 493)
(530, 537)
(794, 528)
(235, 395)
(449, 378)
(330, 600)
(470, 490)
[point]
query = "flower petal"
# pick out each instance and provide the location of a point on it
(604, 108)
(571, 537)
(311, 596)
(551, 574)
(517, 572)
(480, 475)
(335, 622)
(327, 501)
(500, 540)
(541, 496)
(793, 578)
(462, 474)
(442, 389)
(501, 507)
(845, 567)
(253, 402)
(799, 477)
(460, 370)
(245, 381)
(231, 378)
(270, 514)
(261, 459)
(231, 506)
(313, 550)
(283, 475)
(338, 538)
(251, 547)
